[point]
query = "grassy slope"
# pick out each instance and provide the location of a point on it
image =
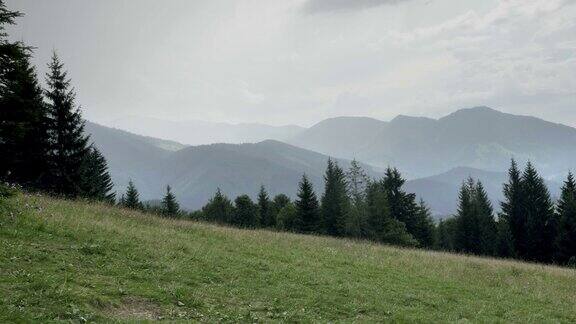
(68, 260)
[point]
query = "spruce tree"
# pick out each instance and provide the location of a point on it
(23, 122)
(96, 181)
(265, 209)
(69, 144)
(487, 230)
(513, 216)
(132, 199)
(403, 206)
(466, 236)
(335, 201)
(219, 209)
(245, 212)
(308, 213)
(170, 206)
(378, 211)
(540, 218)
(566, 237)
(424, 229)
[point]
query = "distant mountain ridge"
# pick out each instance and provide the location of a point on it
(478, 137)
(201, 132)
(195, 172)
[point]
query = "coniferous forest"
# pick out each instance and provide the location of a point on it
(44, 148)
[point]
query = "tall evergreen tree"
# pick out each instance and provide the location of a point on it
(132, 198)
(566, 237)
(487, 230)
(466, 236)
(540, 218)
(287, 218)
(265, 209)
(513, 216)
(357, 182)
(446, 234)
(378, 210)
(308, 212)
(219, 209)
(96, 181)
(23, 122)
(66, 127)
(170, 206)
(245, 212)
(424, 229)
(403, 206)
(335, 202)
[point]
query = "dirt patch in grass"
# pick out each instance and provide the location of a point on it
(136, 308)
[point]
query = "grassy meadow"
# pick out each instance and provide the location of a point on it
(74, 261)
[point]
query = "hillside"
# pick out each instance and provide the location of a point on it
(479, 137)
(195, 172)
(64, 260)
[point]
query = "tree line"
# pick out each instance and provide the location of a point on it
(42, 137)
(529, 227)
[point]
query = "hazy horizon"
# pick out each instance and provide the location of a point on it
(301, 61)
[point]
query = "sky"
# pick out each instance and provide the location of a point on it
(285, 62)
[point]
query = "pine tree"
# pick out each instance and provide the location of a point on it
(513, 216)
(132, 199)
(466, 236)
(23, 117)
(403, 206)
(265, 209)
(219, 209)
(96, 181)
(23, 122)
(170, 206)
(377, 210)
(487, 230)
(505, 244)
(446, 234)
(566, 237)
(424, 229)
(335, 201)
(245, 212)
(540, 218)
(357, 182)
(308, 212)
(66, 128)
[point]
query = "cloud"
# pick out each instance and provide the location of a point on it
(326, 6)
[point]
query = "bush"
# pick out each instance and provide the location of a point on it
(6, 190)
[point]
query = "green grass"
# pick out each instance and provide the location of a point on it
(62, 260)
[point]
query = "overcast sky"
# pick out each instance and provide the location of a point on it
(299, 61)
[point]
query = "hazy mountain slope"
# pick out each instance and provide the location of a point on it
(441, 191)
(196, 172)
(339, 137)
(478, 137)
(131, 156)
(201, 132)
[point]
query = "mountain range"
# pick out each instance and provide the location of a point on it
(195, 132)
(480, 137)
(437, 155)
